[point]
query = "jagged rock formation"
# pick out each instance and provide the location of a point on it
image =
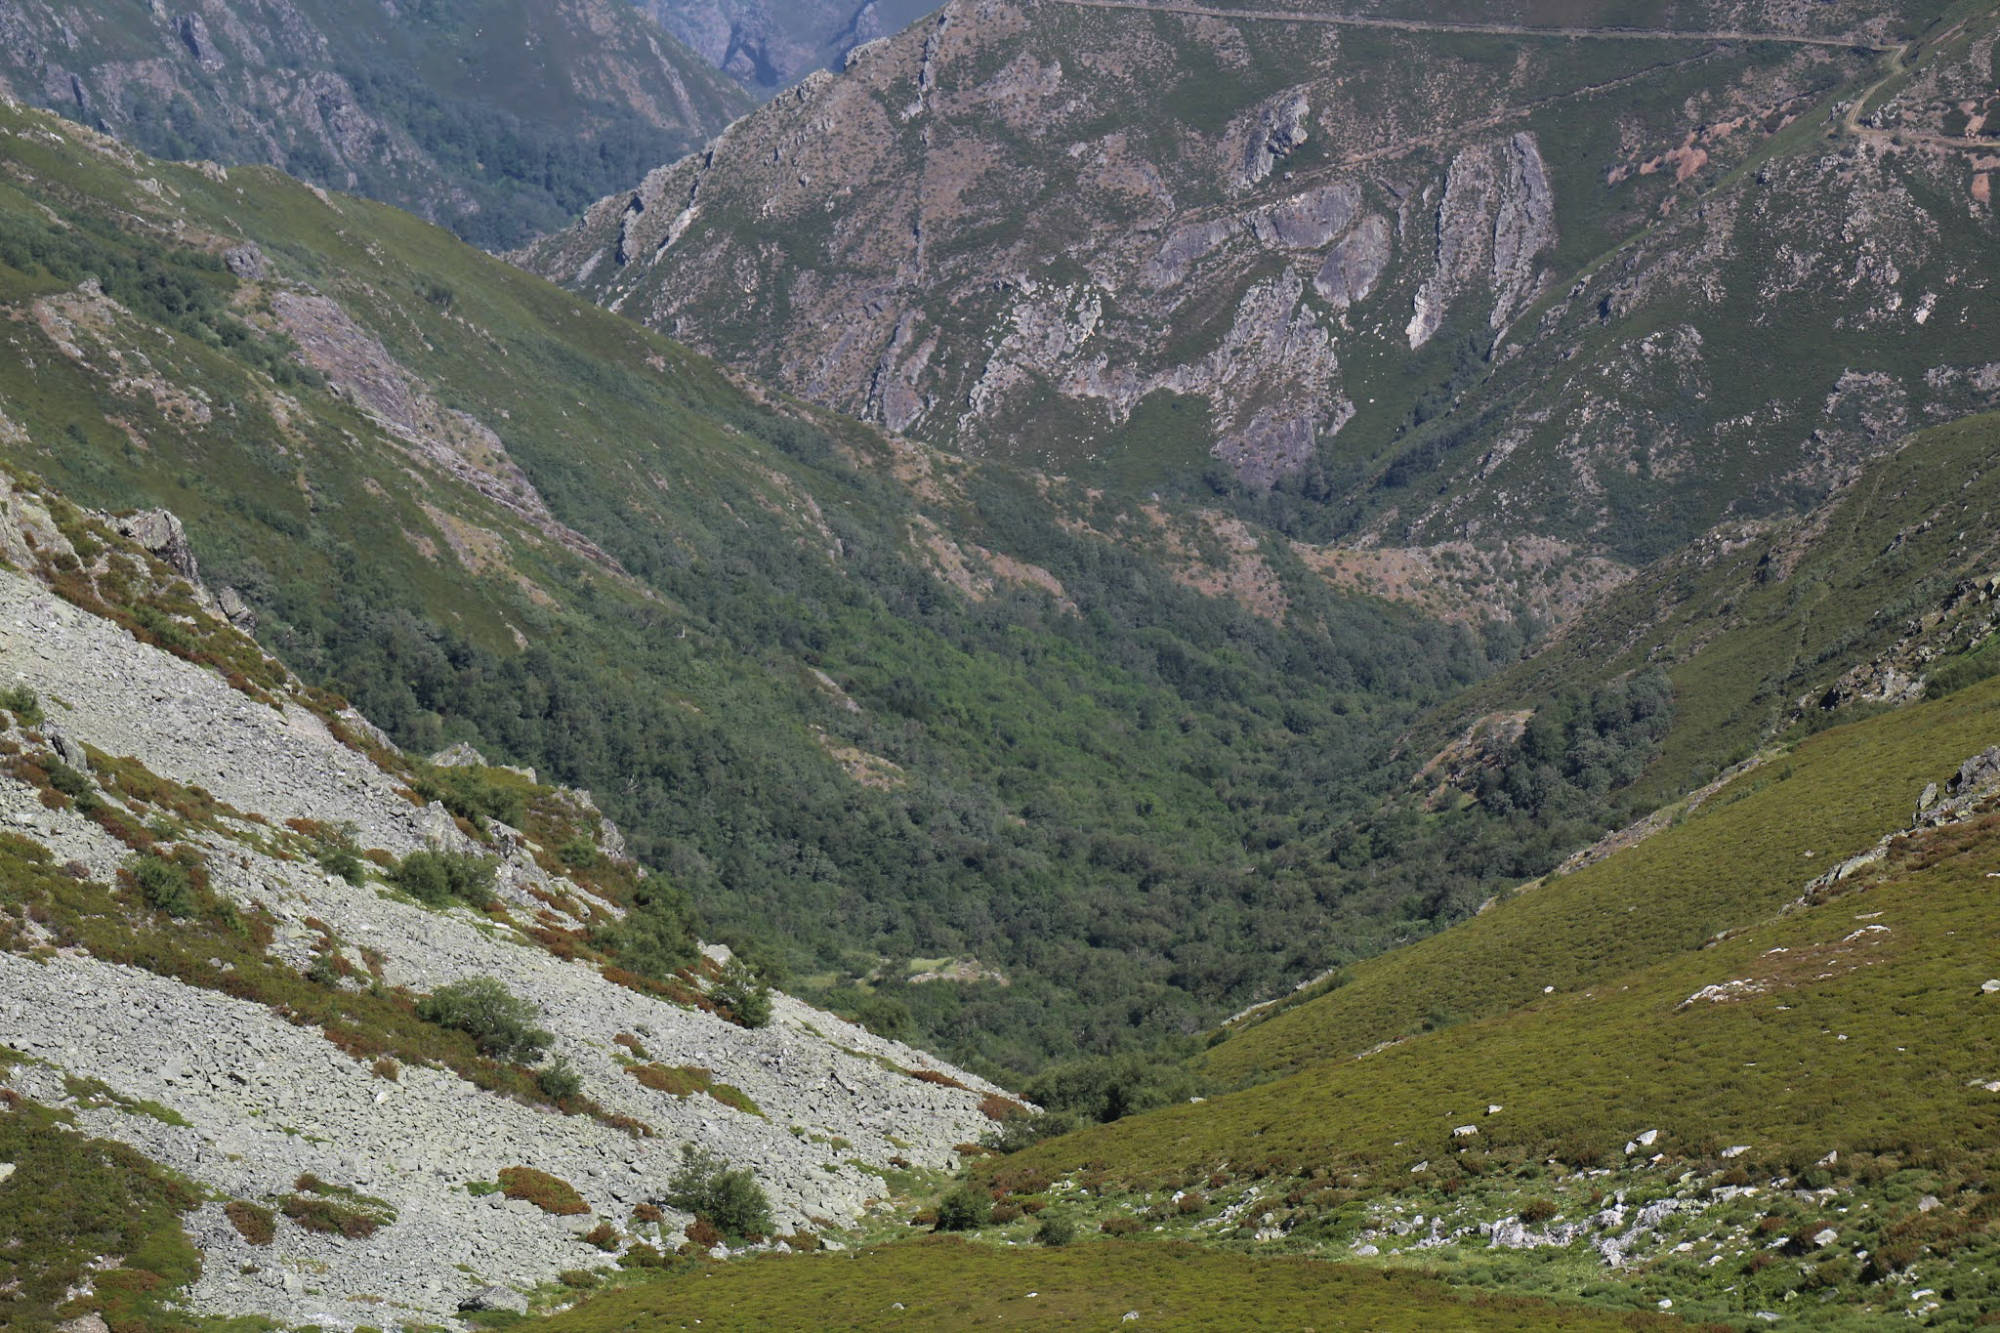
(244, 1099)
(1371, 262)
(373, 101)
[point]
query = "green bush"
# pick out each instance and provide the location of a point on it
(499, 1022)
(964, 1209)
(747, 999)
(657, 937)
(476, 794)
(24, 704)
(1055, 1231)
(165, 885)
(729, 1199)
(437, 879)
(559, 1081)
(1025, 1131)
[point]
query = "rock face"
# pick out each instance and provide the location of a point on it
(1005, 230)
(254, 1099)
(332, 101)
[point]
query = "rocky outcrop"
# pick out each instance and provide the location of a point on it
(1497, 214)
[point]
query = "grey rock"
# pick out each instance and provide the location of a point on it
(245, 261)
(235, 609)
(494, 1298)
(1353, 268)
(160, 532)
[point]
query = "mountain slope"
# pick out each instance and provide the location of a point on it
(1436, 284)
(217, 954)
(499, 120)
(913, 715)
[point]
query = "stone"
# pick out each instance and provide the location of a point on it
(1735, 1151)
(1989, 986)
(235, 609)
(245, 261)
(494, 1298)
(1464, 1131)
(1647, 1138)
(161, 533)
(67, 748)
(461, 755)
(1825, 1237)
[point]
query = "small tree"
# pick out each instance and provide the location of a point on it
(165, 885)
(729, 1199)
(439, 878)
(1055, 1231)
(499, 1022)
(747, 999)
(964, 1209)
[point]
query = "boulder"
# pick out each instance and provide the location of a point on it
(158, 531)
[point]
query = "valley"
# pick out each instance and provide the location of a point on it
(1158, 664)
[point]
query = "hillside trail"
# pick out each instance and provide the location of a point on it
(1899, 65)
(1486, 29)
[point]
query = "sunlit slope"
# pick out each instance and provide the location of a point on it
(1761, 625)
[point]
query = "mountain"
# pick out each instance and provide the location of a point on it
(498, 120)
(1602, 278)
(768, 45)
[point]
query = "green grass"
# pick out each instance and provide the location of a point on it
(71, 1202)
(951, 1284)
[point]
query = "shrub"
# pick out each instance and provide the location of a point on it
(964, 1209)
(604, 1236)
(24, 704)
(1025, 1131)
(559, 1081)
(386, 1067)
(577, 1279)
(1538, 1210)
(255, 1224)
(747, 1000)
(437, 879)
(1119, 1226)
(1055, 1231)
(499, 1022)
(730, 1199)
(165, 885)
(657, 937)
(551, 1194)
(642, 1255)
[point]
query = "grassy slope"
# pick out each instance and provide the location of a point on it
(1749, 627)
(949, 1284)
